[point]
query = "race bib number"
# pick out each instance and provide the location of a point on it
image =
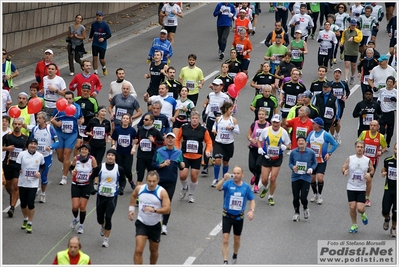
(357, 177)
(145, 145)
(192, 146)
(98, 132)
(215, 108)
(323, 51)
(225, 136)
(366, 79)
(157, 125)
(67, 126)
(258, 133)
(316, 149)
(295, 54)
(170, 22)
(190, 85)
(392, 173)
(367, 118)
(338, 92)
(119, 113)
(302, 167)
(236, 202)
(239, 48)
(301, 131)
(82, 177)
(370, 151)
(328, 113)
(41, 148)
(82, 130)
(124, 140)
(273, 151)
(30, 173)
(107, 191)
(290, 100)
(14, 154)
(267, 109)
(277, 59)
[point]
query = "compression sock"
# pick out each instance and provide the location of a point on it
(82, 217)
(216, 170)
(314, 188)
(75, 213)
(225, 170)
(184, 184)
(320, 187)
(192, 188)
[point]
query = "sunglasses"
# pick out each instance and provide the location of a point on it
(146, 119)
(341, 7)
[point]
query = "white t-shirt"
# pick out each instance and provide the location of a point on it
(116, 88)
(379, 76)
(216, 100)
(5, 97)
(170, 19)
(304, 21)
(29, 166)
(357, 169)
(168, 104)
(52, 97)
(385, 95)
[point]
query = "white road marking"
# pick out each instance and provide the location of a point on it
(189, 261)
(354, 89)
(6, 209)
(216, 230)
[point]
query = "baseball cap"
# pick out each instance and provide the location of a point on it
(338, 69)
(298, 31)
(100, 13)
(279, 36)
(382, 58)
(327, 84)
(49, 51)
(276, 118)
(307, 94)
(86, 146)
(319, 121)
(164, 31)
(217, 82)
(171, 134)
(33, 140)
(353, 22)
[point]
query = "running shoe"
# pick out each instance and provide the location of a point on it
(341, 56)
(204, 171)
(314, 198)
(256, 189)
(132, 185)
(105, 243)
(105, 72)
(80, 229)
(385, 226)
(306, 213)
(368, 203)
(42, 199)
(319, 199)
(352, 80)
(334, 60)
(331, 64)
(365, 220)
(253, 180)
(296, 217)
(191, 199)
(353, 229)
(74, 222)
(337, 138)
(63, 180)
(234, 261)
(10, 212)
(264, 192)
(214, 183)
(221, 56)
(183, 193)
(393, 232)
(312, 36)
(25, 223)
(102, 231)
(270, 201)
(71, 74)
(29, 228)
(252, 33)
(164, 230)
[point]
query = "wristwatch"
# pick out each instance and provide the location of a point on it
(155, 210)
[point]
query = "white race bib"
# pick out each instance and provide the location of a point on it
(236, 202)
(338, 92)
(273, 151)
(302, 167)
(357, 177)
(124, 140)
(370, 151)
(30, 173)
(82, 130)
(323, 51)
(328, 113)
(14, 154)
(120, 112)
(190, 85)
(367, 118)
(290, 100)
(145, 145)
(107, 191)
(67, 126)
(157, 125)
(392, 173)
(82, 177)
(192, 146)
(98, 132)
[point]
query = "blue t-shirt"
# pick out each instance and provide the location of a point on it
(124, 138)
(235, 197)
(69, 124)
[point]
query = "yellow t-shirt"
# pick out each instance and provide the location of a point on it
(190, 79)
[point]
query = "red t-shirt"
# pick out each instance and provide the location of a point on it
(299, 128)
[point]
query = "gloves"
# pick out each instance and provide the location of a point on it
(309, 171)
(261, 151)
(283, 147)
(121, 191)
(223, 8)
(230, 15)
(308, 27)
(297, 23)
(320, 40)
(266, 156)
(393, 99)
(38, 79)
(375, 89)
(362, 112)
(93, 191)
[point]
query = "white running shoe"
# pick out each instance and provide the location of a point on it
(319, 199)
(190, 198)
(164, 230)
(337, 138)
(80, 229)
(42, 199)
(74, 222)
(183, 193)
(64, 180)
(393, 232)
(71, 74)
(296, 217)
(306, 213)
(214, 183)
(105, 243)
(314, 198)
(102, 231)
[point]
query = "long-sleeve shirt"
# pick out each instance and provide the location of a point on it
(168, 173)
(100, 30)
(224, 14)
(304, 160)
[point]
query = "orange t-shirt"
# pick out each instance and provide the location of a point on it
(242, 45)
(239, 24)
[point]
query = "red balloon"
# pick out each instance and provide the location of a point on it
(70, 110)
(61, 104)
(35, 105)
(231, 90)
(14, 112)
(240, 80)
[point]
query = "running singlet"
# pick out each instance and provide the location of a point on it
(358, 167)
(108, 182)
(83, 171)
(149, 198)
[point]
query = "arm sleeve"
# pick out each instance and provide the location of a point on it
(42, 167)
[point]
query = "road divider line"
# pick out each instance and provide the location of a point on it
(211, 75)
(16, 205)
(216, 230)
(354, 89)
(189, 261)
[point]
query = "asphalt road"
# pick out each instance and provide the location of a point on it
(194, 229)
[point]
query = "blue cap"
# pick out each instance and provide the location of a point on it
(307, 94)
(319, 121)
(327, 84)
(353, 22)
(382, 58)
(100, 13)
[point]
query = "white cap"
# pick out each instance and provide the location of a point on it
(164, 31)
(49, 51)
(171, 134)
(276, 118)
(338, 69)
(217, 81)
(298, 31)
